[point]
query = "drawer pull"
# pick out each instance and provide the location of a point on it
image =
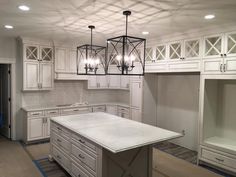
(220, 160)
(59, 140)
(52, 112)
(81, 156)
(75, 110)
(81, 141)
(58, 157)
(35, 114)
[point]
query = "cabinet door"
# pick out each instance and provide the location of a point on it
(102, 82)
(114, 81)
(136, 94)
(149, 54)
(136, 115)
(111, 109)
(229, 65)
(35, 129)
(92, 82)
(46, 54)
(212, 66)
(31, 52)
(72, 61)
(124, 82)
(230, 44)
(47, 127)
(31, 76)
(192, 49)
(213, 46)
(161, 52)
(175, 50)
(60, 60)
(46, 75)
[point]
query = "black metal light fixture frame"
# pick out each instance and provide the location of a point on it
(125, 46)
(90, 52)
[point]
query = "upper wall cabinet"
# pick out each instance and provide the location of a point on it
(66, 64)
(220, 54)
(149, 54)
(37, 67)
(175, 50)
(192, 49)
(161, 53)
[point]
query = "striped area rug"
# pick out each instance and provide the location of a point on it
(178, 151)
(50, 169)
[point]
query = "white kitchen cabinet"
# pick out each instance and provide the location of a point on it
(114, 81)
(136, 114)
(220, 54)
(47, 127)
(123, 112)
(136, 94)
(37, 67)
(124, 82)
(175, 50)
(111, 109)
(35, 128)
(149, 55)
(66, 64)
(161, 53)
(31, 76)
(46, 75)
(217, 121)
(102, 82)
(92, 82)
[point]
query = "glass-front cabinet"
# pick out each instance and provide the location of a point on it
(213, 46)
(175, 50)
(161, 52)
(149, 55)
(192, 49)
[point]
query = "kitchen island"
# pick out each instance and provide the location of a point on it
(103, 145)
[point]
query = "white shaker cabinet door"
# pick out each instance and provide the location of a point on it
(60, 60)
(92, 82)
(136, 115)
(102, 82)
(136, 94)
(124, 82)
(35, 129)
(46, 75)
(31, 76)
(72, 61)
(114, 81)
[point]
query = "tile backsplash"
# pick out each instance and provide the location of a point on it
(67, 92)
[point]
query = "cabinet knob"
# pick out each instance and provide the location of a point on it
(221, 55)
(225, 54)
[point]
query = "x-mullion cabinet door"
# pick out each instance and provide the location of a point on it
(175, 51)
(161, 53)
(149, 55)
(46, 54)
(230, 44)
(192, 49)
(31, 52)
(213, 46)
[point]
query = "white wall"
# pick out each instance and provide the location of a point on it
(177, 105)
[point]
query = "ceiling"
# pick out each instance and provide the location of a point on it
(68, 19)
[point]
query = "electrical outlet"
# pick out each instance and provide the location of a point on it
(183, 132)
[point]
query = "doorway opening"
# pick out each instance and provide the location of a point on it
(5, 100)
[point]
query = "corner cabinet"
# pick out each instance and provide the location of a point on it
(37, 67)
(220, 54)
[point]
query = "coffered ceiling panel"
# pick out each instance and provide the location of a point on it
(68, 19)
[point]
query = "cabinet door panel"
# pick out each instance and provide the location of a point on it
(114, 81)
(136, 94)
(92, 82)
(213, 46)
(35, 129)
(212, 66)
(175, 50)
(72, 61)
(160, 52)
(31, 75)
(230, 65)
(46, 75)
(102, 82)
(230, 44)
(192, 49)
(46, 54)
(149, 54)
(60, 60)
(136, 115)
(31, 52)
(124, 82)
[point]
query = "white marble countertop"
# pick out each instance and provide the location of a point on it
(49, 107)
(114, 133)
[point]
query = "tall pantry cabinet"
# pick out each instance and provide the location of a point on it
(37, 66)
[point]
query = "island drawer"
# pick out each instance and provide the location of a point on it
(78, 170)
(61, 158)
(218, 158)
(99, 108)
(60, 142)
(123, 110)
(83, 143)
(87, 160)
(52, 112)
(35, 114)
(60, 131)
(68, 111)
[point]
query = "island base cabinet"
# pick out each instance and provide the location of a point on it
(135, 163)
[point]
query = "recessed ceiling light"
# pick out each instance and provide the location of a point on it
(145, 32)
(24, 8)
(209, 17)
(8, 27)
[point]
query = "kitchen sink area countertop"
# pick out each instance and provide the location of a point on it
(73, 105)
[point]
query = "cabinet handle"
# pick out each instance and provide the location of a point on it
(75, 110)
(52, 112)
(35, 114)
(221, 55)
(221, 65)
(58, 157)
(225, 55)
(224, 68)
(58, 140)
(81, 156)
(81, 141)
(221, 160)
